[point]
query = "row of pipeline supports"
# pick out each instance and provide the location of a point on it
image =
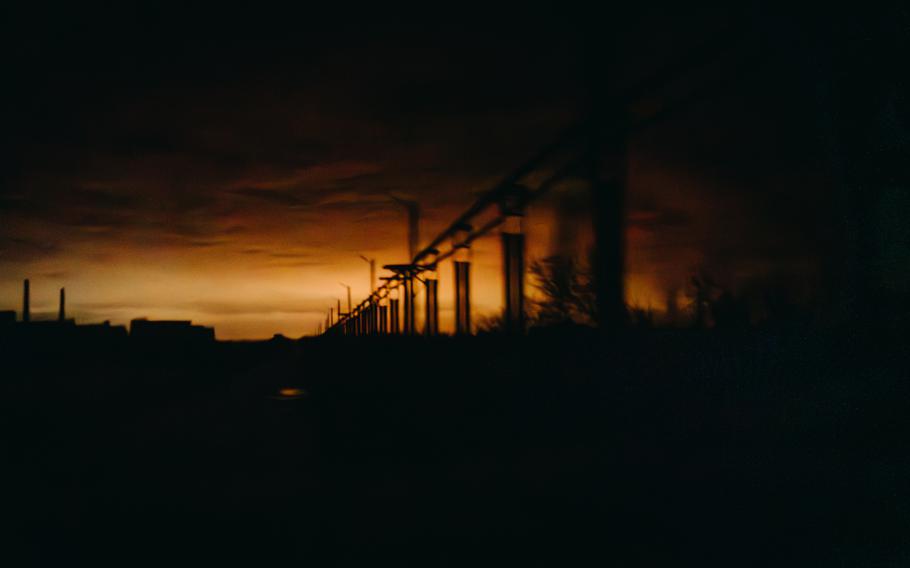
(392, 309)
(595, 149)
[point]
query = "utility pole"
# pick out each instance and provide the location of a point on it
(413, 210)
(349, 296)
(372, 262)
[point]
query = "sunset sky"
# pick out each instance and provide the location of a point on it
(231, 168)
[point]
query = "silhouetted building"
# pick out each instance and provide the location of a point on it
(46, 331)
(7, 317)
(101, 332)
(52, 323)
(170, 332)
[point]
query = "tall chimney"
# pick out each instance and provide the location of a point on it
(62, 315)
(26, 312)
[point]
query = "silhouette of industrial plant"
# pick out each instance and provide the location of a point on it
(62, 329)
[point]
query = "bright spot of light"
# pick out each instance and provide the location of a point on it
(291, 392)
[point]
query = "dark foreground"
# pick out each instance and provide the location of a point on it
(562, 449)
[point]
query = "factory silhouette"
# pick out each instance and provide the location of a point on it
(62, 329)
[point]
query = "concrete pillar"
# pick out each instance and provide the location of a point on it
(432, 303)
(394, 320)
(606, 166)
(407, 290)
(383, 316)
(513, 262)
(431, 287)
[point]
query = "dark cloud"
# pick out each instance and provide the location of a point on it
(276, 196)
(205, 244)
(290, 255)
(17, 249)
(56, 275)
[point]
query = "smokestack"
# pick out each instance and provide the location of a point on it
(26, 312)
(62, 315)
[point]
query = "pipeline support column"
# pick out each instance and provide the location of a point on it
(432, 305)
(393, 311)
(431, 284)
(462, 266)
(408, 291)
(383, 315)
(513, 262)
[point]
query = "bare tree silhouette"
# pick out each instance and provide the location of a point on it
(566, 292)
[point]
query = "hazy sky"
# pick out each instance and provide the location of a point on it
(231, 168)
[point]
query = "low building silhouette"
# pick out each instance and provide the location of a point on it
(46, 332)
(170, 332)
(101, 332)
(61, 331)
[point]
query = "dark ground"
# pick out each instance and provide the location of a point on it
(660, 448)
